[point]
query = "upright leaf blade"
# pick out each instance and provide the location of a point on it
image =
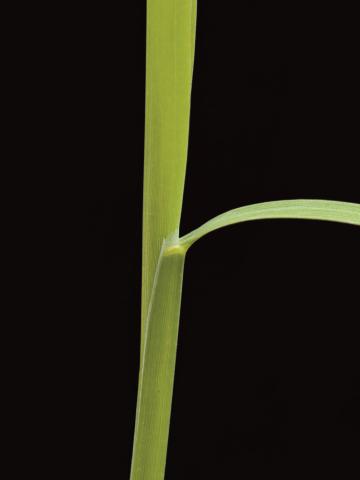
(193, 34)
(169, 65)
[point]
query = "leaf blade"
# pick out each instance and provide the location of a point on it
(169, 65)
(327, 210)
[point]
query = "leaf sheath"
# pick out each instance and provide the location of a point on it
(158, 368)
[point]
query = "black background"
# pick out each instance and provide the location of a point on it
(267, 379)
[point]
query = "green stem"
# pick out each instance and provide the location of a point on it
(157, 367)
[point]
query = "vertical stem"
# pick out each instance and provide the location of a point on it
(158, 368)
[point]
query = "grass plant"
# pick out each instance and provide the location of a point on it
(171, 26)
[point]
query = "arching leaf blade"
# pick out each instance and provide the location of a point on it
(327, 210)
